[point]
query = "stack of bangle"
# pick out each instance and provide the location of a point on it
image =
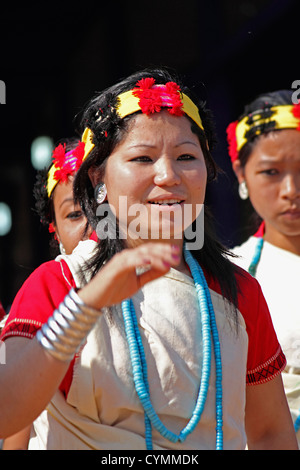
(68, 327)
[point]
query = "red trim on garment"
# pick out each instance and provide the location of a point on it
(261, 230)
(49, 284)
(94, 236)
(267, 371)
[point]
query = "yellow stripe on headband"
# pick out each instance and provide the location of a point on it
(129, 104)
(51, 182)
(87, 138)
(282, 115)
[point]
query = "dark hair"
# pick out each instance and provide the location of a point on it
(43, 204)
(262, 103)
(108, 129)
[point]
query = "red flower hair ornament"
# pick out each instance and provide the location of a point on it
(64, 164)
(232, 142)
(150, 98)
(153, 97)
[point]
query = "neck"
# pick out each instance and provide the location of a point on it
(288, 243)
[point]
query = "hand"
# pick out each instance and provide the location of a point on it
(118, 279)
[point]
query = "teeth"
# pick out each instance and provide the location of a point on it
(166, 202)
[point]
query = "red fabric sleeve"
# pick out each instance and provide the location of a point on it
(35, 302)
(265, 357)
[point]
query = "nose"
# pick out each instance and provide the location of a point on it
(290, 188)
(166, 173)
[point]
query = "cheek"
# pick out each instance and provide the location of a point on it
(198, 185)
(118, 181)
(263, 199)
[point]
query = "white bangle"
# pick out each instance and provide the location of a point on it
(67, 328)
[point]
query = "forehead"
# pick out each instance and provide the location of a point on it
(159, 126)
(282, 145)
(63, 190)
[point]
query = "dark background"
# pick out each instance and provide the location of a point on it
(54, 56)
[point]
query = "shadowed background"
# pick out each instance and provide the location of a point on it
(54, 57)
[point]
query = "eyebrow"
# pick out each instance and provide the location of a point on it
(187, 142)
(268, 159)
(154, 146)
(67, 199)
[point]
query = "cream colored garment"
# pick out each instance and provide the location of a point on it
(102, 410)
(278, 273)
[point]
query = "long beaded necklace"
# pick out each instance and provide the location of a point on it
(252, 270)
(139, 364)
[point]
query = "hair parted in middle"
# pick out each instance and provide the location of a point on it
(101, 117)
(107, 129)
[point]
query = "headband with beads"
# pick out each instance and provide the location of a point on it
(64, 164)
(150, 98)
(259, 122)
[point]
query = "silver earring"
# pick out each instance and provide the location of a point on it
(100, 193)
(243, 190)
(62, 249)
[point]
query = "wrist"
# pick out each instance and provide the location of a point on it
(68, 327)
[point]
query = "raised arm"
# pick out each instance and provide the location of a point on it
(31, 375)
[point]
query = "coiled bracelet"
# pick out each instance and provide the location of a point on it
(68, 327)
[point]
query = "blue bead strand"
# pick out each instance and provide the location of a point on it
(297, 423)
(139, 365)
(197, 271)
(256, 257)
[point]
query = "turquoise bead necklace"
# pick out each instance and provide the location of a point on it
(139, 364)
(297, 423)
(256, 257)
(252, 270)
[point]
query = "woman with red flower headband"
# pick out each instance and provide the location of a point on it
(54, 204)
(264, 146)
(149, 340)
(54, 200)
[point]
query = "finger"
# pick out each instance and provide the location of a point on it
(158, 255)
(158, 263)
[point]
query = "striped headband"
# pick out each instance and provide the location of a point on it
(64, 164)
(261, 121)
(150, 98)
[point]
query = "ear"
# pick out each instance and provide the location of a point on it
(95, 176)
(238, 170)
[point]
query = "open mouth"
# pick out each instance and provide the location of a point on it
(168, 202)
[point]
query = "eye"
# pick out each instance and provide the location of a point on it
(270, 172)
(74, 215)
(142, 159)
(186, 157)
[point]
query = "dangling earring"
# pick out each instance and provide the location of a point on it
(100, 193)
(243, 190)
(62, 249)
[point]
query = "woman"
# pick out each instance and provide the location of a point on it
(54, 203)
(111, 364)
(264, 147)
(54, 199)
